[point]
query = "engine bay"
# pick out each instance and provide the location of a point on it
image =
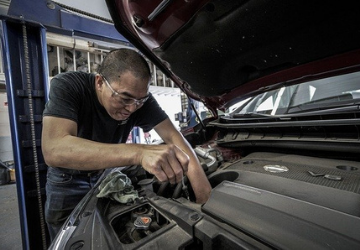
(264, 200)
(264, 196)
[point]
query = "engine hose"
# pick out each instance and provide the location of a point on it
(205, 154)
(177, 191)
(162, 188)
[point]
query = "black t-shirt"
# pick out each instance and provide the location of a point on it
(72, 96)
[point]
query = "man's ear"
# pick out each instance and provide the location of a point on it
(98, 82)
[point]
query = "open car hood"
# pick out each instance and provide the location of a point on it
(222, 51)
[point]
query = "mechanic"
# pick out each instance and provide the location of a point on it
(86, 122)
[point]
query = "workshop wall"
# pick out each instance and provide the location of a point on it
(6, 153)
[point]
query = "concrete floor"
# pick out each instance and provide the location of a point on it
(10, 232)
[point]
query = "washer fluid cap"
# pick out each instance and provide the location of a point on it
(142, 222)
(275, 168)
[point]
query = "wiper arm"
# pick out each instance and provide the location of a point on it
(325, 103)
(252, 115)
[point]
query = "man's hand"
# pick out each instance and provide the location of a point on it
(197, 177)
(166, 162)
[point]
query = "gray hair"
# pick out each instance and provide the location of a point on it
(119, 61)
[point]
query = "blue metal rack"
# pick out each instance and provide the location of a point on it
(25, 60)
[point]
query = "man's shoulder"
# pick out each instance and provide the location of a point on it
(73, 80)
(74, 76)
(70, 94)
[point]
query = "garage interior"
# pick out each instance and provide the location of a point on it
(59, 45)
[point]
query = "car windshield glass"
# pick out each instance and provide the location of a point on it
(314, 95)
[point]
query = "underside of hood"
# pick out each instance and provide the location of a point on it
(212, 48)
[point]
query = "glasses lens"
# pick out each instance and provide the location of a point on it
(131, 101)
(125, 101)
(128, 101)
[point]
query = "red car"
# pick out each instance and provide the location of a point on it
(281, 80)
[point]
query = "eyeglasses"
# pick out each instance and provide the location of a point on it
(125, 101)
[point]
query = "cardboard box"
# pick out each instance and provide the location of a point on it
(12, 175)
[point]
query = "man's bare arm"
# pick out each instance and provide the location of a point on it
(196, 175)
(62, 148)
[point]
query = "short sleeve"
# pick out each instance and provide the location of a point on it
(64, 100)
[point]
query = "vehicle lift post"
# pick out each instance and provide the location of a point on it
(25, 60)
(26, 71)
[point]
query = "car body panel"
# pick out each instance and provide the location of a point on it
(280, 180)
(216, 49)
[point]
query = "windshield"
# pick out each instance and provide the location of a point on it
(315, 95)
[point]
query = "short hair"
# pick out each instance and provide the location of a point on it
(119, 61)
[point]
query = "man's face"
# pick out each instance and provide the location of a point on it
(122, 98)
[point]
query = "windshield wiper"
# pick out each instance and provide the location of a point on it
(328, 110)
(324, 103)
(252, 115)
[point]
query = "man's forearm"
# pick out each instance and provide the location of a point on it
(166, 162)
(196, 174)
(82, 154)
(199, 182)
